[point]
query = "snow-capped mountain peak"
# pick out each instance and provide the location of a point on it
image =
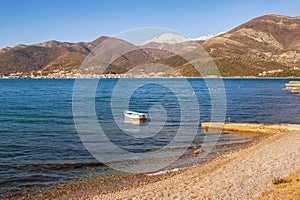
(207, 37)
(172, 38)
(169, 38)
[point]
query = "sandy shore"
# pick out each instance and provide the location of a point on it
(243, 174)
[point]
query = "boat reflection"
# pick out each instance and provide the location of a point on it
(134, 121)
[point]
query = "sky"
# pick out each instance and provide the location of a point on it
(34, 21)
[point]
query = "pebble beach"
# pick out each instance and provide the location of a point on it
(242, 174)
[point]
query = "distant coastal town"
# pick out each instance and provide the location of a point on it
(57, 74)
(75, 73)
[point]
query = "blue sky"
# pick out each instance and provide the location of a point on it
(33, 21)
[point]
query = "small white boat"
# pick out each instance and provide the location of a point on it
(135, 115)
(293, 86)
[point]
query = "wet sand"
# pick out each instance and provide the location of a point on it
(241, 174)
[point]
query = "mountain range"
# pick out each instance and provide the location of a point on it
(266, 46)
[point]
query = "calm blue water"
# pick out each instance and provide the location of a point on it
(39, 144)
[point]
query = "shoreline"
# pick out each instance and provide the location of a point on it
(243, 173)
(74, 78)
(185, 182)
(94, 184)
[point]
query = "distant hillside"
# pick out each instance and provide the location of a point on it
(53, 55)
(265, 46)
(265, 43)
(27, 58)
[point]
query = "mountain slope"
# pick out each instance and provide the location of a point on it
(34, 57)
(26, 58)
(67, 61)
(266, 43)
(282, 30)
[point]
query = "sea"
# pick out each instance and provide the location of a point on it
(56, 132)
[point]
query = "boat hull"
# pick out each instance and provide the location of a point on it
(135, 115)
